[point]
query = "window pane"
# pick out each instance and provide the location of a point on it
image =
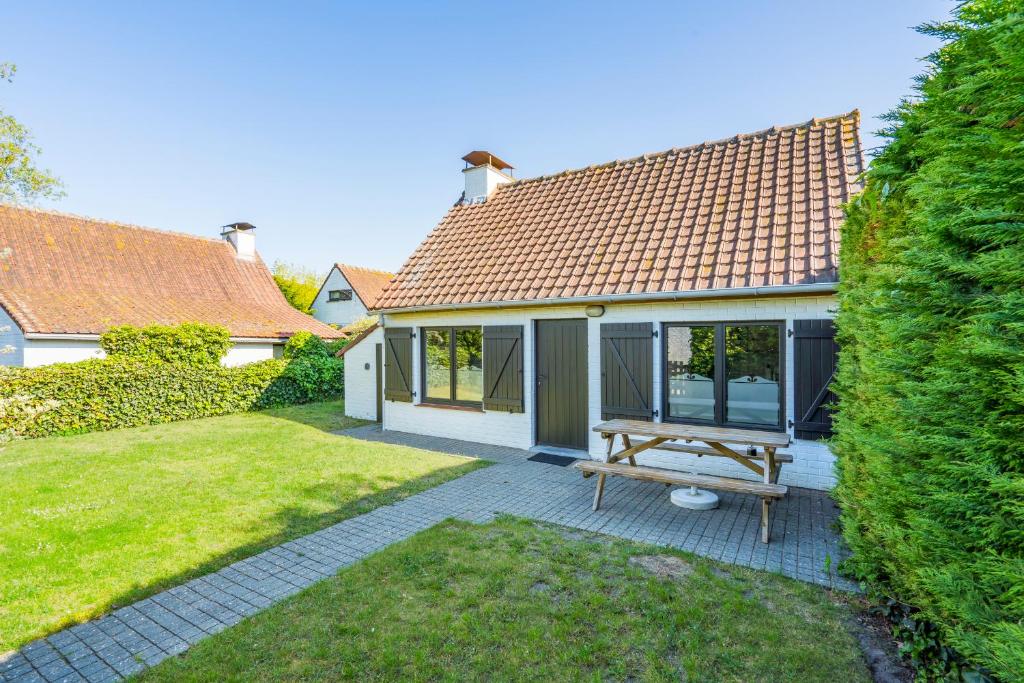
(752, 363)
(439, 377)
(469, 369)
(691, 372)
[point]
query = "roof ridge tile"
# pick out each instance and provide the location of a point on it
(103, 221)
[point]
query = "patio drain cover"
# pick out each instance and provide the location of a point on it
(552, 459)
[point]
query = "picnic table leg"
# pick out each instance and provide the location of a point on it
(611, 447)
(600, 491)
(628, 445)
(769, 478)
(769, 464)
(764, 520)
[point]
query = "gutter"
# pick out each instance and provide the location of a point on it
(66, 336)
(730, 293)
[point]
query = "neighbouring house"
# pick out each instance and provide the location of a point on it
(347, 293)
(65, 279)
(692, 285)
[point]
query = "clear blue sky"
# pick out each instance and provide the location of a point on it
(337, 128)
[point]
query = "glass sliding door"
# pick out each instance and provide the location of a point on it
(690, 372)
(753, 374)
(726, 374)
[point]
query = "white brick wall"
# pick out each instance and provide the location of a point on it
(360, 381)
(240, 354)
(812, 462)
(46, 351)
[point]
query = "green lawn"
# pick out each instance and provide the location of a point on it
(92, 521)
(514, 600)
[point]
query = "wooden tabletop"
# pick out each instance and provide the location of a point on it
(672, 430)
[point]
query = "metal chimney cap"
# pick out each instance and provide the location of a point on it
(480, 158)
(239, 226)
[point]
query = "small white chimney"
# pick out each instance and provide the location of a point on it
(484, 173)
(241, 237)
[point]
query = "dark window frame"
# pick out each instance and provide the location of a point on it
(343, 295)
(452, 368)
(721, 384)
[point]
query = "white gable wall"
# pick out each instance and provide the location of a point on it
(361, 377)
(338, 313)
(813, 462)
(12, 341)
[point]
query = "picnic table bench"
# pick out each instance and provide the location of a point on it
(757, 453)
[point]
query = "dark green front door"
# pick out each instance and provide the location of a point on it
(562, 383)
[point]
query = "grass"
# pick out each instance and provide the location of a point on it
(515, 600)
(93, 521)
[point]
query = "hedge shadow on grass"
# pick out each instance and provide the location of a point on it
(326, 416)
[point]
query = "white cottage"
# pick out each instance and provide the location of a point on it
(695, 285)
(347, 294)
(65, 279)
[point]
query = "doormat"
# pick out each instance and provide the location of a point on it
(552, 459)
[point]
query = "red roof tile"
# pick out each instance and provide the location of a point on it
(755, 210)
(367, 283)
(63, 274)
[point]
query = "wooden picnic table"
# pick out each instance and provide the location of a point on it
(757, 453)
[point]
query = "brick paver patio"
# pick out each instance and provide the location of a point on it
(129, 639)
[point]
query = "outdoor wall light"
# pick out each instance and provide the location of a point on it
(595, 311)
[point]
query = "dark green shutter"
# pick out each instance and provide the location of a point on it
(815, 356)
(398, 364)
(503, 368)
(627, 371)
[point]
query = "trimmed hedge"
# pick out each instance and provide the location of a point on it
(161, 374)
(193, 343)
(112, 393)
(930, 422)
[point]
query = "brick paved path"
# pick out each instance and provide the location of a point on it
(140, 635)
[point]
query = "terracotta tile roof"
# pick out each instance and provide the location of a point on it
(367, 283)
(64, 274)
(754, 210)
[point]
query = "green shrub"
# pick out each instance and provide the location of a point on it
(117, 392)
(931, 328)
(336, 345)
(305, 345)
(193, 343)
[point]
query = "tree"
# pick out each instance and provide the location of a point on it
(931, 331)
(20, 178)
(299, 285)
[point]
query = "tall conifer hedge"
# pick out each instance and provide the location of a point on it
(930, 426)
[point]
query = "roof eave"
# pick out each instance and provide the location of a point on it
(91, 336)
(360, 337)
(816, 288)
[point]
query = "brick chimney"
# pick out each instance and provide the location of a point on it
(484, 173)
(241, 237)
